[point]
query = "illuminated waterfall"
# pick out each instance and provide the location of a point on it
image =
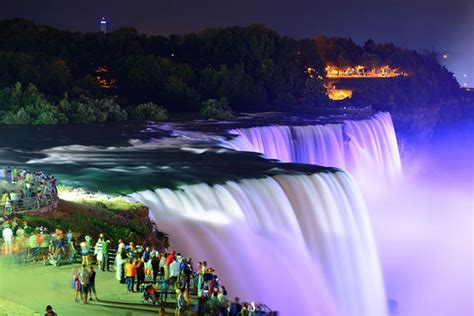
(362, 146)
(302, 244)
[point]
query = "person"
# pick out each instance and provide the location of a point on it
(120, 261)
(147, 256)
(140, 268)
(131, 273)
(245, 309)
(168, 261)
(77, 285)
(173, 269)
(105, 255)
(186, 270)
(59, 242)
(181, 302)
(21, 247)
(161, 264)
(214, 285)
(6, 201)
(84, 279)
(151, 293)
(155, 265)
(224, 302)
(44, 246)
(162, 312)
(33, 247)
(98, 251)
(131, 250)
(235, 307)
(49, 311)
(163, 286)
(203, 308)
(85, 248)
(214, 304)
(7, 234)
(92, 283)
(69, 236)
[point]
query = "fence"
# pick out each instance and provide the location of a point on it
(33, 205)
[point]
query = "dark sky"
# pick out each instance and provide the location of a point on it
(446, 26)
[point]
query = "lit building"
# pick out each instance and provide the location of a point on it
(363, 72)
(104, 78)
(103, 25)
(336, 94)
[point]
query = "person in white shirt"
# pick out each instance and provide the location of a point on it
(7, 240)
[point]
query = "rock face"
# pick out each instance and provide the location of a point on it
(416, 123)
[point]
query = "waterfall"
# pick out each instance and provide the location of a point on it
(300, 243)
(356, 145)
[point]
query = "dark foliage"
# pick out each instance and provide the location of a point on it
(253, 67)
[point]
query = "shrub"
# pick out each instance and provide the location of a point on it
(149, 111)
(88, 110)
(214, 109)
(18, 118)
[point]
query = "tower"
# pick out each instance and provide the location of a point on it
(103, 25)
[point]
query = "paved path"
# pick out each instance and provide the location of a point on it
(9, 308)
(27, 289)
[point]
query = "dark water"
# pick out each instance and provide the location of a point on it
(129, 157)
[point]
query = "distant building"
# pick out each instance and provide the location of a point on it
(103, 25)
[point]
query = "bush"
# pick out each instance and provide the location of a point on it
(214, 109)
(88, 110)
(129, 224)
(18, 118)
(26, 106)
(149, 111)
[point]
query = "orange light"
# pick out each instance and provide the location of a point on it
(360, 71)
(339, 94)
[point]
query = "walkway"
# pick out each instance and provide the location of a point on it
(9, 308)
(29, 288)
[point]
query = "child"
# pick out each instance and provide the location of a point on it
(77, 285)
(92, 283)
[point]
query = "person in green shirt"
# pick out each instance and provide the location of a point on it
(105, 255)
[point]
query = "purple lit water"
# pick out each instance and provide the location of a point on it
(359, 146)
(301, 244)
(294, 237)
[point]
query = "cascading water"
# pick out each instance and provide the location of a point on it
(300, 243)
(361, 146)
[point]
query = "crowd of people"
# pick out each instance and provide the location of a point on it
(22, 189)
(154, 274)
(35, 243)
(159, 273)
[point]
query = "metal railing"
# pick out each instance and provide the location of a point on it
(45, 203)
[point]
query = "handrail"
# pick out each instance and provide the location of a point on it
(45, 203)
(9, 182)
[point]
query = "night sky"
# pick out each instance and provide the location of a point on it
(445, 26)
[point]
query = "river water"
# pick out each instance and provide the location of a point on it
(293, 235)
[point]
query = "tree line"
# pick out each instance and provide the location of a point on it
(50, 76)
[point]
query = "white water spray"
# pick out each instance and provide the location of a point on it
(300, 243)
(362, 147)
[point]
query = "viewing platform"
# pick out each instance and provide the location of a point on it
(24, 191)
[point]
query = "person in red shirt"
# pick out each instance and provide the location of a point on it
(168, 261)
